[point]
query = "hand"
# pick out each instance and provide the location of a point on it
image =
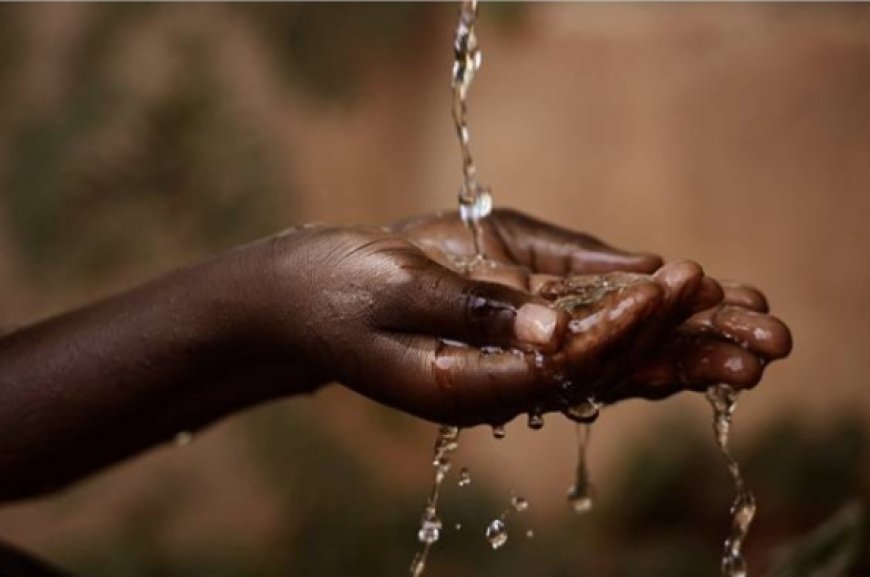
(380, 309)
(730, 342)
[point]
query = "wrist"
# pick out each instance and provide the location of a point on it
(254, 305)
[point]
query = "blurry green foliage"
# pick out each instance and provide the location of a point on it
(325, 47)
(192, 172)
(831, 550)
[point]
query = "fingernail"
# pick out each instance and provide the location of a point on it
(535, 324)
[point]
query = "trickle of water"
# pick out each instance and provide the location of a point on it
(498, 432)
(464, 477)
(496, 533)
(475, 200)
(723, 399)
(183, 438)
(580, 493)
(430, 525)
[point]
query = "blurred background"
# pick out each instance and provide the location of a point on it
(137, 138)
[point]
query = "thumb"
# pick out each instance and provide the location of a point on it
(447, 305)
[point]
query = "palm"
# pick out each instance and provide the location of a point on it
(515, 240)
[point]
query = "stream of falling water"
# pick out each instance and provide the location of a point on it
(430, 523)
(475, 200)
(475, 204)
(723, 399)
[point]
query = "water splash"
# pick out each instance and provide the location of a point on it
(723, 399)
(475, 200)
(430, 524)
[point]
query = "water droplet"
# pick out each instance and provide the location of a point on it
(498, 432)
(430, 528)
(458, 526)
(496, 533)
(581, 502)
(734, 566)
(539, 359)
(464, 477)
(536, 420)
(519, 503)
(585, 412)
(478, 209)
(530, 534)
(183, 438)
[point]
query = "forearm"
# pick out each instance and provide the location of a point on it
(87, 388)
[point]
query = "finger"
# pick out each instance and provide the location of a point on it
(681, 281)
(446, 383)
(744, 296)
(709, 294)
(439, 302)
(758, 332)
(549, 249)
(610, 324)
(638, 314)
(690, 365)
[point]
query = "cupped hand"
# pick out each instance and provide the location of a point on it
(640, 341)
(385, 312)
(721, 333)
(731, 342)
(404, 315)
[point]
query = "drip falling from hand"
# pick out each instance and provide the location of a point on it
(723, 399)
(430, 524)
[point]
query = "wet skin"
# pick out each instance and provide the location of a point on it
(386, 312)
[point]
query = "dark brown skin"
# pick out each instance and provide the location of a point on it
(370, 308)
